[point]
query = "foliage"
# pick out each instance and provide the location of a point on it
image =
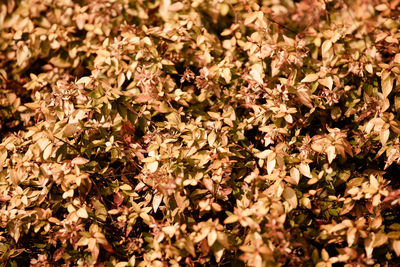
(152, 133)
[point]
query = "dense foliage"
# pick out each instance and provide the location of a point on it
(157, 133)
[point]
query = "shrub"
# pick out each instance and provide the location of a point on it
(152, 133)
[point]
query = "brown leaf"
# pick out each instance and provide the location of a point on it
(143, 98)
(209, 184)
(127, 128)
(118, 198)
(58, 254)
(304, 95)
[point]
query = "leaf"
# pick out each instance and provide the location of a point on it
(368, 244)
(83, 241)
(223, 239)
(118, 198)
(169, 230)
(152, 166)
(331, 153)
(253, 16)
(306, 202)
(211, 138)
(290, 196)
(295, 176)
(175, 7)
(22, 55)
(82, 213)
(58, 254)
(157, 201)
(257, 73)
(100, 210)
(121, 79)
(69, 193)
(226, 74)
(79, 161)
(271, 163)
(125, 187)
(310, 78)
(189, 247)
(102, 240)
(59, 62)
(209, 184)
(380, 239)
(212, 237)
(373, 182)
(304, 95)
(324, 255)
(320, 144)
(70, 129)
(32, 106)
(386, 83)
(162, 107)
(146, 218)
(85, 80)
(327, 82)
(218, 252)
(264, 154)
(43, 143)
(376, 223)
(369, 68)
(231, 219)
(384, 136)
(305, 170)
(143, 98)
(93, 247)
(327, 44)
(288, 118)
(5, 197)
(47, 151)
(214, 115)
(396, 247)
(351, 235)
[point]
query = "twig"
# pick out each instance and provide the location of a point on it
(281, 25)
(328, 16)
(72, 146)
